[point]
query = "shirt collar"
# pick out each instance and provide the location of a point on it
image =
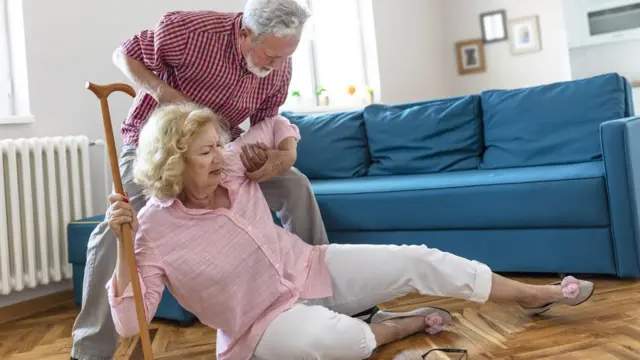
(167, 203)
(163, 202)
(235, 38)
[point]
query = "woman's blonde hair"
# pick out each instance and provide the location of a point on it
(163, 140)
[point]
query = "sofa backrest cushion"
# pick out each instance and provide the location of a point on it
(424, 137)
(332, 145)
(557, 123)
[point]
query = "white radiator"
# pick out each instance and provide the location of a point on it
(44, 184)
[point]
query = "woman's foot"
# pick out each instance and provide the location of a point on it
(396, 329)
(541, 295)
(536, 299)
(393, 326)
(570, 291)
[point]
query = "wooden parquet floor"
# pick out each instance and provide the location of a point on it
(607, 327)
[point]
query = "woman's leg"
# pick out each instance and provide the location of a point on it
(526, 295)
(315, 332)
(366, 275)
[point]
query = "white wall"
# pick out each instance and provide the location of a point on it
(412, 54)
(619, 57)
(416, 48)
(461, 19)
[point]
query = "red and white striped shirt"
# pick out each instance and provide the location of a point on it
(235, 269)
(198, 53)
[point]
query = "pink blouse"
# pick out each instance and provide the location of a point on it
(233, 268)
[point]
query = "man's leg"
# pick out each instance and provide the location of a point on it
(291, 197)
(94, 335)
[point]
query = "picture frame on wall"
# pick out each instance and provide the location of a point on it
(524, 35)
(493, 25)
(470, 56)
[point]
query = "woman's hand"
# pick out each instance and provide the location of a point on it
(121, 212)
(254, 156)
(278, 161)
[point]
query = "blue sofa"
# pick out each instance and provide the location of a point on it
(542, 179)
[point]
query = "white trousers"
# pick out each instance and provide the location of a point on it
(364, 276)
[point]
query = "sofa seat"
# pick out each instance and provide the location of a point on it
(559, 196)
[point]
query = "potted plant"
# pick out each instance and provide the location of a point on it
(321, 92)
(297, 96)
(371, 95)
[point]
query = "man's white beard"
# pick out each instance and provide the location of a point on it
(258, 71)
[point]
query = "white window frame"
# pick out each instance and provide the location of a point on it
(7, 107)
(369, 70)
(14, 88)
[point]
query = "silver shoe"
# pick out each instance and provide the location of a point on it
(435, 318)
(575, 293)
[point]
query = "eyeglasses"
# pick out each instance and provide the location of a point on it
(445, 353)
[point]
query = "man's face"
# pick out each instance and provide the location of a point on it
(268, 53)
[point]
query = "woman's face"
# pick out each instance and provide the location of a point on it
(204, 161)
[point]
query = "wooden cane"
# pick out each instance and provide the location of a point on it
(103, 92)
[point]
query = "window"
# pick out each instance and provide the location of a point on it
(14, 87)
(336, 57)
(6, 103)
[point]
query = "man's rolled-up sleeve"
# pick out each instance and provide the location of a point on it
(162, 47)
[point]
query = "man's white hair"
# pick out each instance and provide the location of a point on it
(277, 17)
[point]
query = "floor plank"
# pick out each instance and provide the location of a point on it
(606, 327)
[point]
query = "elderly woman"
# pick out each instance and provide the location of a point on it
(208, 235)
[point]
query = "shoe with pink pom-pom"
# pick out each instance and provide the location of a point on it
(435, 318)
(575, 292)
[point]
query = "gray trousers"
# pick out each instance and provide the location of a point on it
(94, 335)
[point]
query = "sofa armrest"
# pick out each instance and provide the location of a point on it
(620, 141)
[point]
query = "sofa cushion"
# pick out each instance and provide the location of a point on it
(557, 196)
(332, 145)
(424, 137)
(557, 123)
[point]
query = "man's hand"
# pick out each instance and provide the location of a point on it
(254, 156)
(168, 95)
(278, 161)
(147, 79)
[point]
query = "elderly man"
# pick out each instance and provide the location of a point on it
(237, 64)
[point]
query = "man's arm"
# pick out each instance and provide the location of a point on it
(146, 79)
(150, 52)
